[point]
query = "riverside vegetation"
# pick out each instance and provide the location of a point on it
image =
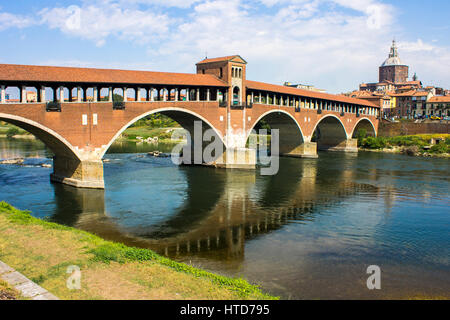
(420, 144)
(43, 251)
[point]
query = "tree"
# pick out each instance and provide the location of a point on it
(12, 132)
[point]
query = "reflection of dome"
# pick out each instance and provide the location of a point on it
(394, 59)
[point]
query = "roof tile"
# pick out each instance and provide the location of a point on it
(10, 72)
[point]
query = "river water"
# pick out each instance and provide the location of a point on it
(310, 232)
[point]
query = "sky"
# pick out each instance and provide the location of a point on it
(332, 44)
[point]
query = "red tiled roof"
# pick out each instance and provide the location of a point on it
(227, 58)
(404, 94)
(421, 94)
(437, 99)
(305, 93)
(10, 72)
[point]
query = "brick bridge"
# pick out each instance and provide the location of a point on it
(75, 116)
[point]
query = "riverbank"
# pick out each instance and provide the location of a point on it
(424, 145)
(44, 251)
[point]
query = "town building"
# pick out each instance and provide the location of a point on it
(382, 100)
(407, 98)
(437, 106)
(31, 96)
(304, 87)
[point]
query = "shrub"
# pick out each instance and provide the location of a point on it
(440, 148)
(12, 132)
(374, 143)
(361, 135)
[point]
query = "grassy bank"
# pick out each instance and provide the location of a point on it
(9, 130)
(163, 134)
(419, 145)
(43, 251)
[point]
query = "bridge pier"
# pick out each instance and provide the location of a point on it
(304, 150)
(237, 158)
(349, 145)
(78, 173)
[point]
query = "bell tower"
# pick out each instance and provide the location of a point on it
(393, 69)
(232, 70)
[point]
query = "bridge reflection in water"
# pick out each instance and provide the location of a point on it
(238, 207)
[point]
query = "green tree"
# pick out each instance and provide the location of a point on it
(12, 132)
(361, 135)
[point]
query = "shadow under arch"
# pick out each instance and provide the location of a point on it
(185, 118)
(291, 135)
(364, 124)
(55, 142)
(329, 133)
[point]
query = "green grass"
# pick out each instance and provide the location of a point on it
(10, 130)
(148, 132)
(93, 254)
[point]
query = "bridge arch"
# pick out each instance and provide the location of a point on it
(54, 141)
(364, 124)
(291, 134)
(183, 117)
(329, 133)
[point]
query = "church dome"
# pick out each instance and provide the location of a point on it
(393, 59)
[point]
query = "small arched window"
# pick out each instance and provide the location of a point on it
(221, 73)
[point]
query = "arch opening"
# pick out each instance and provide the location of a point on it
(58, 145)
(364, 128)
(291, 139)
(236, 95)
(329, 134)
(68, 166)
(174, 119)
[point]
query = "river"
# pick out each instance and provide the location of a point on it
(310, 232)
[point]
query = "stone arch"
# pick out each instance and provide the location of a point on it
(329, 133)
(365, 124)
(55, 142)
(69, 166)
(292, 141)
(184, 117)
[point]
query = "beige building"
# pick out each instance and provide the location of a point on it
(32, 96)
(438, 106)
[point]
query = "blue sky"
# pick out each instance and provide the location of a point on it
(332, 44)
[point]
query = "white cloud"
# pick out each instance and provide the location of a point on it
(416, 46)
(8, 20)
(97, 23)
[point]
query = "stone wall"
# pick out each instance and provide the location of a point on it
(405, 128)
